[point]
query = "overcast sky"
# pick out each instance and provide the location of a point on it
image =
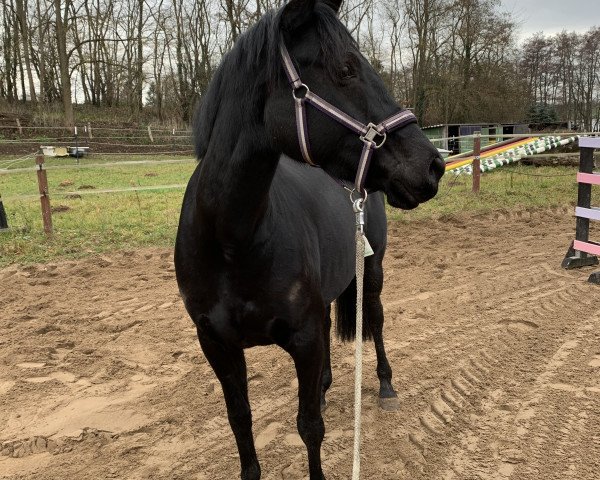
(553, 16)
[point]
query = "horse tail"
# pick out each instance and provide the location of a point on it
(345, 315)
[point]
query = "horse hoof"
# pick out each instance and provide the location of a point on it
(390, 404)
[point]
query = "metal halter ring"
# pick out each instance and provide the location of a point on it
(302, 85)
(352, 200)
(373, 133)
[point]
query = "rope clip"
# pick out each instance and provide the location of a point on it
(359, 206)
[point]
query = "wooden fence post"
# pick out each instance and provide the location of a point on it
(89, 129)
(76, 145)
(476, 162)
(19, 127)
(150, 134)
(44, 196)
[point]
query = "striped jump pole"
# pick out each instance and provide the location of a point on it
(512, 155)
(583, 251)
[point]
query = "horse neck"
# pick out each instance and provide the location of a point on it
(235, 179)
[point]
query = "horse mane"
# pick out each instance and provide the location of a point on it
(253, 67)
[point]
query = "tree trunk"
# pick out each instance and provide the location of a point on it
(25, 40)
(140, 57)
(42, 53)
(63, 60)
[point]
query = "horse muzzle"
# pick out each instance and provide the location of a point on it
(405, 194)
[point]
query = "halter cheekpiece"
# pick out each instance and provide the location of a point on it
(373, 136)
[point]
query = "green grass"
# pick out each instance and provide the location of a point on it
(511, 187)
(93, 223)
(17, 162)
(114, 176)
(98, 222)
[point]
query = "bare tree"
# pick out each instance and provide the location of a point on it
(425, 20)
(449, 60)
(25, 39)
(62, 18)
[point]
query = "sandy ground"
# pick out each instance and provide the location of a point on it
(495, 350)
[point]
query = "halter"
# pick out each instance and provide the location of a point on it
(373, 136)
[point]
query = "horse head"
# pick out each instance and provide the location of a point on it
(407, 167)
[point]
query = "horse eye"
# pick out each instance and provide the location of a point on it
(347, 72)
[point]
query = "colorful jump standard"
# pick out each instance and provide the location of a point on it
(504, 153)
(582, 251)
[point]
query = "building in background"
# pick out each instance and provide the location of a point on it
(445, 136)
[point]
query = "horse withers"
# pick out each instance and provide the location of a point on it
(265, 242)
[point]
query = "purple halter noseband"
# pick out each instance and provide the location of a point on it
(367, 133)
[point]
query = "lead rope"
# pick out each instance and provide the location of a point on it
(368, 134)
(358, 207)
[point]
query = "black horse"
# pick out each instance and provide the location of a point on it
(266, 243)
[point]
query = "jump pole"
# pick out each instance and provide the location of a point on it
(582, 252)
(44, 196)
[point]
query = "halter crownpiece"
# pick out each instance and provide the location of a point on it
(373, 136)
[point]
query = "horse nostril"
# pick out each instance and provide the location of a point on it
(438, 167)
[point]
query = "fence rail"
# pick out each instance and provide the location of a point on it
(94, 138)
(23, 139)
(82, 128)
(188, 132)
(31, 196)
(6, 171)
(44, 194)
(515, 136)
(175, 149)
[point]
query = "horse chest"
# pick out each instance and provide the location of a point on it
(246, 319)
(245, 295)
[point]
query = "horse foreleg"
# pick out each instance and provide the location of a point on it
(307, 351)
(373, 313)
(230, 368)
(327, 377)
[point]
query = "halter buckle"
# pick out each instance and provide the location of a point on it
(371, 134)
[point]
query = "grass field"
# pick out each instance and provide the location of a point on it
(87, 221)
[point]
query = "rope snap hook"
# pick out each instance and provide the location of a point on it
(359, 206)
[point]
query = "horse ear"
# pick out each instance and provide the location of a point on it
(334, 4)
(296, 13)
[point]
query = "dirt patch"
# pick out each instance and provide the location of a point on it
(60, 208)
(494, 349)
